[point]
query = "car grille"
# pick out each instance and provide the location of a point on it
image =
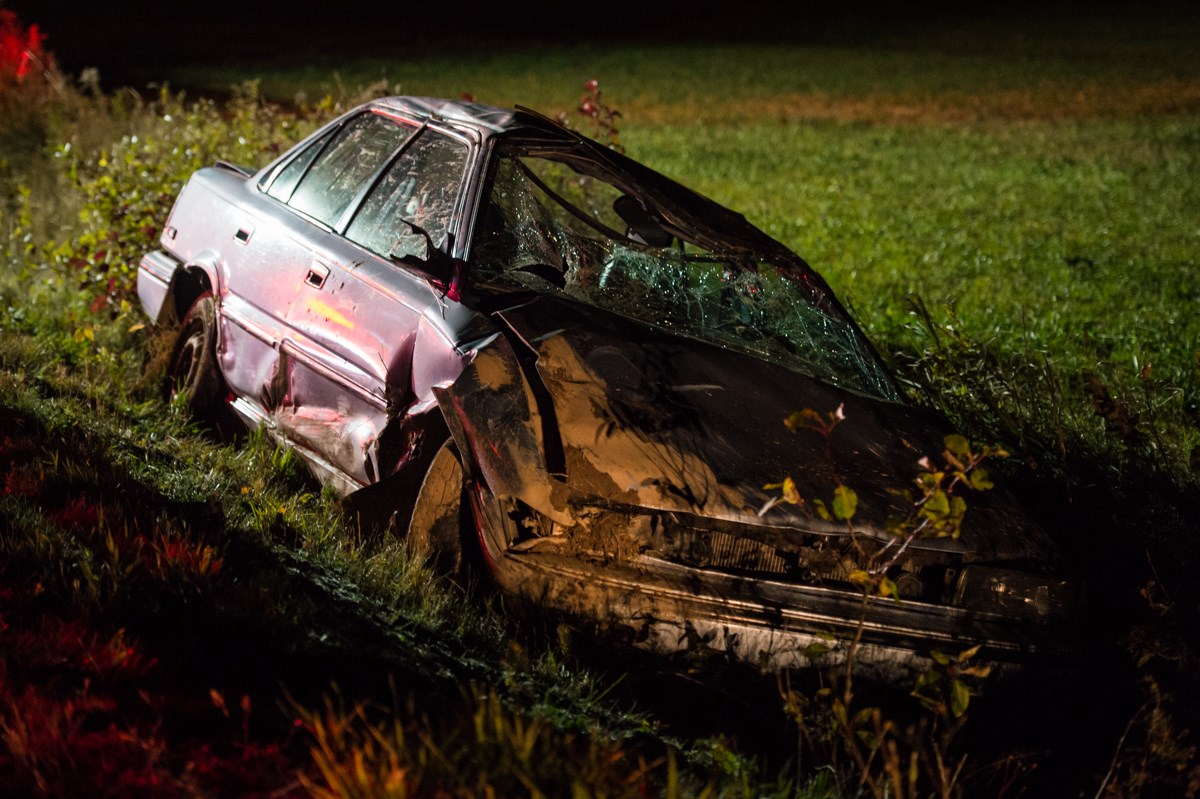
(720, 550)
(734, 552)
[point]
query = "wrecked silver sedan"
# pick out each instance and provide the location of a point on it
(542, 353)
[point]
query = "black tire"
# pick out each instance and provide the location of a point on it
(193, 371)
(437, 524)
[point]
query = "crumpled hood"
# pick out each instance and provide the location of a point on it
(648, 419)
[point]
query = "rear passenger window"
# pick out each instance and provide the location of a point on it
(421, 188)
(354, 154)
(285, 182)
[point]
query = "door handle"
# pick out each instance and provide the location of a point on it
(317, 274)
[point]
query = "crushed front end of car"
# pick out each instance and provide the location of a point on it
(621, 428)
(644, 511)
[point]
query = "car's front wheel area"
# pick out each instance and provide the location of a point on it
(436, 526)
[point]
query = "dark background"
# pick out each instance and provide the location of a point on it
(127, 40)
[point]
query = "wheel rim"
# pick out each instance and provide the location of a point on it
(187, 361)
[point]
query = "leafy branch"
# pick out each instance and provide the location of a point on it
(888, 758)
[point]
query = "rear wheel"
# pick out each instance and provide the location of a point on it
(435, 529)
(193, 374)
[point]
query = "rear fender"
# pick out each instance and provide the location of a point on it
(187, 283)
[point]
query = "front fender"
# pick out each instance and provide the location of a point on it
(492, 415)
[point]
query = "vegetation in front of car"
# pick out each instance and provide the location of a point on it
(913, 753)
(1026, 262)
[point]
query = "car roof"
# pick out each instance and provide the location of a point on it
(491, 121)
(488, 120)
(485, 117)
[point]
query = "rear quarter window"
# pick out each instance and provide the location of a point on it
(284, 184)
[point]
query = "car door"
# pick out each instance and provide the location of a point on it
(353, 325)
(271, 261)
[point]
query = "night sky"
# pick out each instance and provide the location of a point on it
(128, 39)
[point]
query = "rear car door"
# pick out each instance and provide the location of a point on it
(271, 262)
(352, 326)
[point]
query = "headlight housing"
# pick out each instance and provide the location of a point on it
(1010, 592)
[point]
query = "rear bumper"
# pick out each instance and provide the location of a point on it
(154, 275)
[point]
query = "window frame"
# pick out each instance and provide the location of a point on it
(455, 211)
(468, 181)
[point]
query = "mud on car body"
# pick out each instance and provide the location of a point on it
(536, 348)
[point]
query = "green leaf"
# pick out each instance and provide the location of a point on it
(957, 446)
(859, 577)
(888, 588)
(937, 506)
(816, 650)
(980, 480)
(960, 697)
(787, 493)
(845, 502)
(822, 511)
(941, 658)
(790, 494)
(958, 507)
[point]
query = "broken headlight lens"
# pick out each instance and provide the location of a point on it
(1016, 593)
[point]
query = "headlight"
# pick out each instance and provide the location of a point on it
(1016, 593)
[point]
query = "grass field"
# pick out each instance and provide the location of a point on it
(1012, 212)
(1036, 186)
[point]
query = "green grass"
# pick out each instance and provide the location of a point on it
(1077, 239)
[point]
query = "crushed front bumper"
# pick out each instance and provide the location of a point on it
(668, 608)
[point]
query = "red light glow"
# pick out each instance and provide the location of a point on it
(20, 49)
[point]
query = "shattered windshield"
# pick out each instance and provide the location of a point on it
(557, 222)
